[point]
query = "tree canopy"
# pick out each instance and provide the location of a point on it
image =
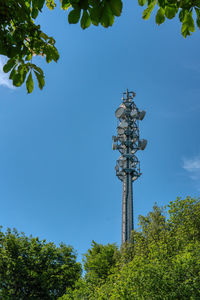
(162, 261)
(34, 269)
(21, 38)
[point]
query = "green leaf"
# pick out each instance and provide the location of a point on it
(198, 23)
(35, 12)
(149, 2)
(170, 11)
(190, 22)
(40, 79)
(9, 65)
(85, 20)
(51, 41)
(141, 2)
(25, 71)
(116, 7)
(29, 83)
(29, 56)
(17, 79)
(95, 14)
(40, 4)
(66, 4)
(198, 17)
(50, 4)
(148, 10)
(161, 3)
(182, 15)
(83, 4)
(160, 16)
(197, 11)
(39, 70)
(187, 25)
(54, 54)
(22, 70)
(44, 36)
(74, 16)
(107, 18)
(12, 73)
(12, 51)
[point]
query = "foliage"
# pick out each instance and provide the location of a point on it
(99, 263)
(34, 269)
(186, 9)
(162, 261)
(21, 39)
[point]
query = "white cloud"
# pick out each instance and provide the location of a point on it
(4, 77)
(192, 166)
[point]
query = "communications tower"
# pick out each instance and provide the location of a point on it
(127, 168)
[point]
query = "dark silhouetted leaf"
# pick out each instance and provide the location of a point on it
(160, 16)
(95, 14)
(40, 4)
(116, 7)
(170, 12)
(66, 4)
(35, 12)
(17, 79)
(198, 17)
(9, 65)
(74, 16)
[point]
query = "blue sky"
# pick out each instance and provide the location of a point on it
(57, 177)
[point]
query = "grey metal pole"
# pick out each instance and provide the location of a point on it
(124, 213)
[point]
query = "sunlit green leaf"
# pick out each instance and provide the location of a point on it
(190, 22)
(40, 80)
(107, 18)
(50, 4)
(141, 2)
(148, 10)
(187, 24)
(85, 20)
(29, 57)
(182, 14)
(29, 83)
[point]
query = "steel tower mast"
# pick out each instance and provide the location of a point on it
(127, 168)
